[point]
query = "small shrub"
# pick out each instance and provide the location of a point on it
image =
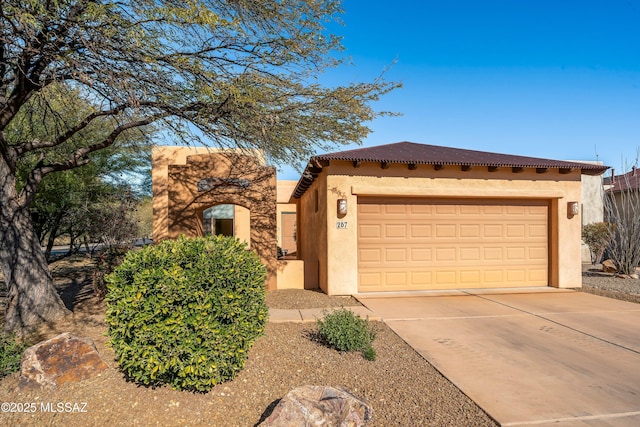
(369, 353)
(186, 312)
(10, 354)
(598, 236)
(345, 331)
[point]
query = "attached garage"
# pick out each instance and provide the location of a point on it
(415, 217)
(425, 243)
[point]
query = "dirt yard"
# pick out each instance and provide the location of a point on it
(402, 388)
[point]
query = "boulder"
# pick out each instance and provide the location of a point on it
(319, 406)
(608, 266)
(60, 360)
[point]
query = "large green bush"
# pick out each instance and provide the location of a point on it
(185, 312)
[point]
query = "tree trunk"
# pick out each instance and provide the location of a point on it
(32, 299)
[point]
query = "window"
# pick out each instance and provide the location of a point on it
(218, 220)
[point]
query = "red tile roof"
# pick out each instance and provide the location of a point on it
(624, 182)
(412, 153)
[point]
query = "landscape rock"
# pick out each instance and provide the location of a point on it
(60, 360)
(319, 406)
(608, 266)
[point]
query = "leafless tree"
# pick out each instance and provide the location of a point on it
(622, 208)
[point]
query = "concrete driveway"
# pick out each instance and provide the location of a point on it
(534, 358)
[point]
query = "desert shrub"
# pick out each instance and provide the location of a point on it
(598, 236)
(10, 354)
(346, 331)
(186, 312)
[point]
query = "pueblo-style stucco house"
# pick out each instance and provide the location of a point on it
(392, 218)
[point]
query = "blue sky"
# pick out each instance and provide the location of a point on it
(553, 79)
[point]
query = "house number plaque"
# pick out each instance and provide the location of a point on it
(341, 224)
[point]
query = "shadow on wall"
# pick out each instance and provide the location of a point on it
(186, 183)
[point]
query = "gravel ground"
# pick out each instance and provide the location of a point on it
(402, 387)
(594, 281)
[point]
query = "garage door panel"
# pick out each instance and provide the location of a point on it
(441, 244)
(395, 231)
(516, 253)
(538, 231)
(445, 255)
(444, 231)
(443, 209)
(397, 255)
(420, 210)
(538, 276)
(470, 231)
(420, 255)
(538, 253)
(421, 279)
(516, 275)
(418, 231)
(469, 278)
(492, 231)
(396, 210)
(370, 281)
(492, 253)
(370, 256)
(471, 210)
(470, 254)
(370, 231)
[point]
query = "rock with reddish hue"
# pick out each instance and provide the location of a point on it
(319, 406)
(60, 360)
(608, 266)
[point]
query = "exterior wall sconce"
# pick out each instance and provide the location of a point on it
(342, 207)
(573, 208)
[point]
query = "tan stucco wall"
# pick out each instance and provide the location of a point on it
(312, 234)
(284, 190)
(290, 274)
(338, 260)
(242, 224)
(161, 158)
(178, 204)
(592, 209)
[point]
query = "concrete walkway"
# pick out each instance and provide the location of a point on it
(311, 314)
(531, 358)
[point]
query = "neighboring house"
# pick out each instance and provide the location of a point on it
(397, 217)
(423, 217)
(618, 184)
(592, 209)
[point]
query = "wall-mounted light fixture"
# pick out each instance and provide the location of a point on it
(342, 207)
(573, 208)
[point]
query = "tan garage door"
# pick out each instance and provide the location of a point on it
(416, 244)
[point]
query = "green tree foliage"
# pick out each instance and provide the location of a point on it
(70, 202)
(186, 312)
(239, 73)
(598, 236)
